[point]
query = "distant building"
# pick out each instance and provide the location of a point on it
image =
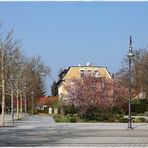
(79, 72)
(46, 102)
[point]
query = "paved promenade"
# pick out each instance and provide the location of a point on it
(8, 118)
(41, 130)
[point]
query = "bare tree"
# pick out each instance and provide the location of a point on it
(34, 73)
(19, 75)
(139, 72)
(8, 47)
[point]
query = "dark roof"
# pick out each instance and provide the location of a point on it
(59, 81)
(63, 72)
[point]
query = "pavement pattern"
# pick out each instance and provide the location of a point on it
(41, 130)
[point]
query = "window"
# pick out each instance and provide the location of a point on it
(89, 73)
(96, 73)
(82, 73)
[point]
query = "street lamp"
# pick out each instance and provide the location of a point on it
(130, 56)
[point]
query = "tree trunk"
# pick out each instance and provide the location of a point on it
(17, 97)
(3, 102)
(12, 112)
(25, 105)
(21, 106)
(3, 89)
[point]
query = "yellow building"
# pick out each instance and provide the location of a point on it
(79, 72)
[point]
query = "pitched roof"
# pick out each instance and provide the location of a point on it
(47, 100)
(65, 71)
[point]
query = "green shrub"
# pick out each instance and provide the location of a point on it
(35, 112)
(124, 120)
(117, 120)
(139, 101)
(141, 114)
(59, 118)
(119, 117)
(93, 118)
(144, 101)
(46, 110)
(133, 114)
(73, 119)
(139, 108)
(112, 119)
(146, 113)
(105, 117)
(137, 120)
(70, 110)
(90, 117)
(142, 119)
(135, 101)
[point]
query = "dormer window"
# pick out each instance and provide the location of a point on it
(82, 73)
(96, 73)
(89, 73)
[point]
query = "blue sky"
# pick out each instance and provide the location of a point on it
(70, 33)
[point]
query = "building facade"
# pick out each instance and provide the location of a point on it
(80, 72)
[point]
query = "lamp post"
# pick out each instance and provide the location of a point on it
(130, 56)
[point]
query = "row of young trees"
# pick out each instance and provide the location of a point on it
(19, 75)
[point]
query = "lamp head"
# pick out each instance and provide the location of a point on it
(130, 54)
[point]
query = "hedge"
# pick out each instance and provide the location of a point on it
(46, 110)
(73, 119)
(139, 108)
(139, 101)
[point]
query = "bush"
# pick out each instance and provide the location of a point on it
(117, 120)
(139, 108)
(139, 101)
(73, 119)
(70, 110)
(58, 118)
(133, 114)
(141, 114)
(92, 117)
(124, 120)
(46, 110)
(146, 113)
(35, 112)
(119, 117)
(105, 117)
(136, 120)
(112, 119)
(142, 119)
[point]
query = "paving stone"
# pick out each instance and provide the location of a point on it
(41, 130)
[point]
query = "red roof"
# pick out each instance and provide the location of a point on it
(47, 100)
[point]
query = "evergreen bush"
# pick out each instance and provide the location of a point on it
(73, 119)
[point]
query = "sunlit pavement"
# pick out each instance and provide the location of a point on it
(41, 130)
